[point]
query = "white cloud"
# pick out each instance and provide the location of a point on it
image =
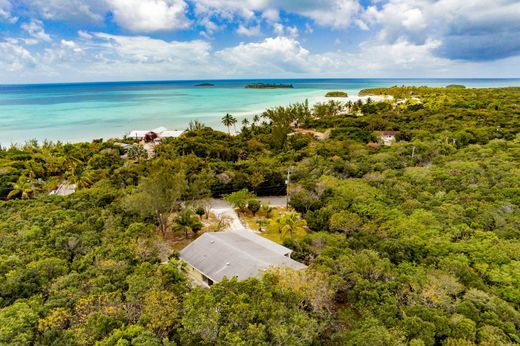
(330, 13)
(249, 31)
(157, 57)
(71, 45)
(150, 15)
(468, 30)
(278, 29)
(271, 15)
(84, 35)
(36, 30)
(14, 57)
(77, 11)
(281, 30)
(5, 12)
(273, 55)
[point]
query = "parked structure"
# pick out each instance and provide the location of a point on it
(240, 253)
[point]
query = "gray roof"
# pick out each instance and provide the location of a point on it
(242, 254)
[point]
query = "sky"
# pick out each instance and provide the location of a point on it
(48, 41)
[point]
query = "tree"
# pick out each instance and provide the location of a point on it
(254, 206)
(200, 211)
(245, 122)
(239, 199)
(187, 221)
(17, 323)
(345, 222)
(196, 125)
(79, 175)
(157, 195)
(228, 120)
(23, 188)
(291, 223)
(137, 152)
(223, 221)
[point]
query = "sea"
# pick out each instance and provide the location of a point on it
(78, 112)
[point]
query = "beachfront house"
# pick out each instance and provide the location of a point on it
(239, 253)
(158, 133)
(388, 137)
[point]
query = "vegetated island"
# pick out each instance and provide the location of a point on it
(336, 94)
(455, 86)
(205, 85)
(269, 86)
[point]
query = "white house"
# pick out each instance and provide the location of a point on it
(161, 132)
(388, 137)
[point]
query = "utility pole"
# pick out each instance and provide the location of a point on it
(287, 182)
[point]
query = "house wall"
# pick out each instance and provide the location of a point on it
(196, 277)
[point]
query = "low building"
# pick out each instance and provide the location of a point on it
(241, 254)
(388, 137)
(160, 132)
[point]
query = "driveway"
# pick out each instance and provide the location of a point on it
(220, 207)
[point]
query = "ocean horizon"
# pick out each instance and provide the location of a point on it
(75, 112)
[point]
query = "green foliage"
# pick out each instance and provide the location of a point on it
(239, 199)
(336, 94)
(254, 205)
(415, 243)
(187, 221)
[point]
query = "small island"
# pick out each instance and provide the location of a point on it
(455, 86)
(269, 86)
(336, 94)
(205, 85)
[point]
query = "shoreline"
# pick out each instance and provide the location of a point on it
(83, 115)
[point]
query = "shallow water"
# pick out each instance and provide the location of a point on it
(86, 111)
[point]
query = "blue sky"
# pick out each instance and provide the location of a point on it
(98, 40)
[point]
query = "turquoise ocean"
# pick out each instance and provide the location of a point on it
(86, 111)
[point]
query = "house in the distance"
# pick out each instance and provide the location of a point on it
(155, 134)
(241, 254)
(388, 137)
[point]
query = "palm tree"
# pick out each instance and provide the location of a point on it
(80, 176)
(23, 188)
(196, 125)
(187, 221)
(291, 223)
(256, 119)
(228, 120)
(245, 122)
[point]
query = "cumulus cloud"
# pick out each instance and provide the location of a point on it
(35, 29)
(273, 55)
(150, 15)
(468, 30)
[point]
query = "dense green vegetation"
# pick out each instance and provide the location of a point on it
(336, 94)
(416, 243)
